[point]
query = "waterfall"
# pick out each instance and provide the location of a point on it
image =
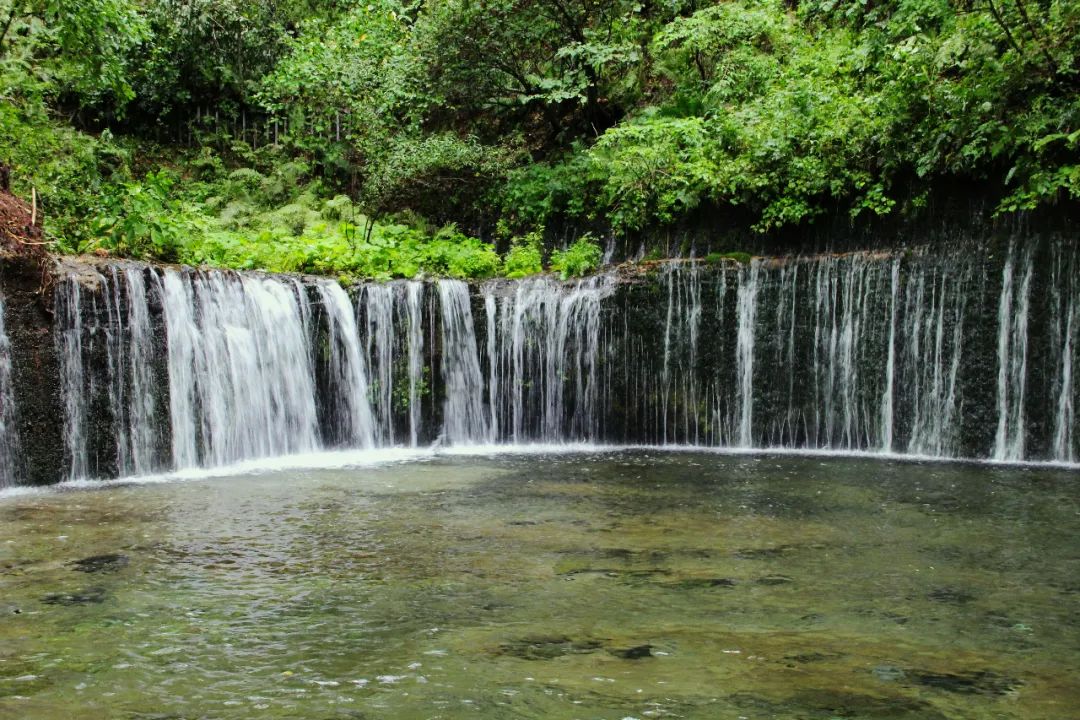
(165, 369)
(1066, 418)
(240, 376)
(1012, 352)
(545, 359)
(414, 295)
(746, 312)
(74, 383)
(379, 302)
(9, 443)
(391, 316)
(348, 371)
(1065, 312)
(182, 340)
(129, 347)
(936, 302)
(887, 397)
(679, 419)
(239, 370)
(464, 417)
(787, 425)
(490, 311)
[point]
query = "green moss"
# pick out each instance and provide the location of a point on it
(742, 258)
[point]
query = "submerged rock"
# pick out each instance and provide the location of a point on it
(889, 673)
(982, 682)
(713, 582)
(546, 647)
(812, 657)
(829, 703)
(87, 596)
(637, 652)
(774, 580)
(100, 563)
(950, 595)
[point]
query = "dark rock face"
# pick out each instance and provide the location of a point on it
(26, 284)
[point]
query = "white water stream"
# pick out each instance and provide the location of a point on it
(163, 370)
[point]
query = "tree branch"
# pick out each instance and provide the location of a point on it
(7, 26)
(1004, 26)
(1035, 34)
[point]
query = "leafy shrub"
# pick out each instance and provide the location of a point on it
(139, 219)
(245, 182)
(456, 255)
(525, 257)
(207, 165)
(581, 258)
(293, 217)
(339, 207)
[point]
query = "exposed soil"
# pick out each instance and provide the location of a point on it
(17, 235)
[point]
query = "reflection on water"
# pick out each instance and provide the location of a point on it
(609, 585)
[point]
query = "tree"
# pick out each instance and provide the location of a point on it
(83, 45)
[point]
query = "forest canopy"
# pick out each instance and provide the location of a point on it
(388, 138)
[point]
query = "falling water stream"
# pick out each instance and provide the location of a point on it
(8, 438)
(962, 355)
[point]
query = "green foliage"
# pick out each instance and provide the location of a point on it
(80, 48)
(581, 258)
(536, 194)
(69, 170)
(140, 219)
(231, 224)
(655, 169)
(743, 258)
(339, 207)
(208, 55)
(790, 116)
(455, 255)
(525, 256)
(397, 118)
(435, 174)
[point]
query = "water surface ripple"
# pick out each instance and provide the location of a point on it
(630, 583)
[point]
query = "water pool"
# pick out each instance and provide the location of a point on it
(615, 584)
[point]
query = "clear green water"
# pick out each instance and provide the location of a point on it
(609, 585)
